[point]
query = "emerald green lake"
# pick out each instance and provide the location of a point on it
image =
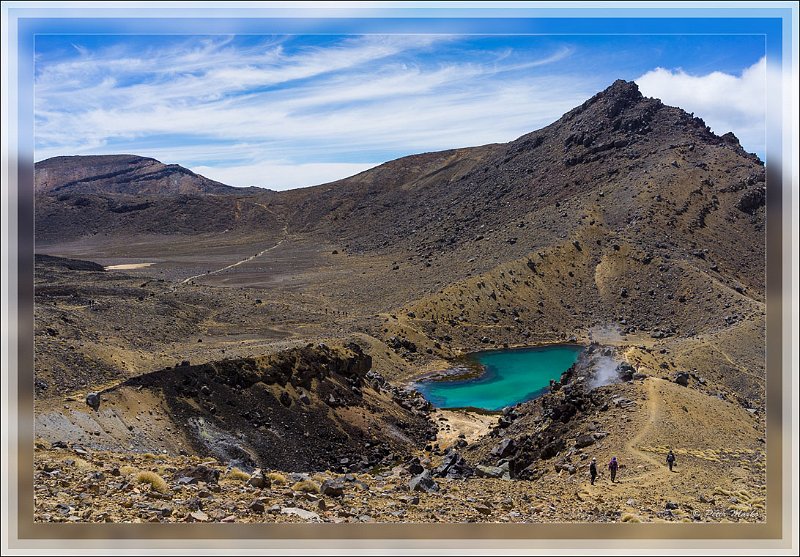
(510, 377)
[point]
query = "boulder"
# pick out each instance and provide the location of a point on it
(505, 448)
(682, 378)
(93, 401)
(502, 472)
(625, 371)
(565, 466)
(332, 488)
(424, 482)
(552, 449)
(257, 506)
(259, 480)
(454, 467)
(414, 467)
(200, 473)
(584, 441)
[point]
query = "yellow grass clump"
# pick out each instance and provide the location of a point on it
(79, 464)
(277, 478)
(128, 470)
(156, 482)
(627, 517)
(237, 475)
(307, 486)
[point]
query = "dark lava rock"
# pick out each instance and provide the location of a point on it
(505, 448)
(552, 449)
(424, 482)
(501, 472)
(752, 200)
(671, 505)
(285, 399)
(93, 401)
(414, 467)
(505, 421)
(332, 488)
(454, 467)
(682, 378)
(200, 473)
(257, 506)
(625, 371)
(565, 466)
(584, 441)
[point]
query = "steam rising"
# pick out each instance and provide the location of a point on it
(604, 372)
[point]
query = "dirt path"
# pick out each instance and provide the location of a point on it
(245, 260)
(653, 413)
(655, 475)
(284, 235)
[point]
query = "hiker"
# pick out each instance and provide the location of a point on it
(593, 469)
(670, 459)
(612, 467)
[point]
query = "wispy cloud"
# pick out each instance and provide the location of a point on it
(726, 102)
(283, 112)
(249, 114)
(287, 175)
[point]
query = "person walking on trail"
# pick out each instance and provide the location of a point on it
(593, 469)
(612, 467)
(670, 459)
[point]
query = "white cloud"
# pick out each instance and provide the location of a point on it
(281, 176)
(726, 102)
(242, 114)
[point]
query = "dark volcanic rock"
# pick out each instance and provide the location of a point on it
(332, 488)
(682, 378)
(423, 482)
(93, 401)
(200, 473)
(256, 423)
(584, 441)
(501, 472)
(505, 448)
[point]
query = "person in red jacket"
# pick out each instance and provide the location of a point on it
(612, 467)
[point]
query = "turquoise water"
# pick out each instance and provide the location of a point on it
(510, 377)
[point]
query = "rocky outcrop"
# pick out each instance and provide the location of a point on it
(250, 411)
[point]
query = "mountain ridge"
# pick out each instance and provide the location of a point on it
(625, 226)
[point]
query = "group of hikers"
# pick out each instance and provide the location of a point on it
(613, 466)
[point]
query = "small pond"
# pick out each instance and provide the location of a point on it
(508, 377)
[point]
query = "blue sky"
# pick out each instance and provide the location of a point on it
(287, 111)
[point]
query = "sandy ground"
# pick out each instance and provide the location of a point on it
(128, 266)
(452, 423)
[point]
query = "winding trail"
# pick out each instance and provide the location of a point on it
(245, 260)
(659, 475)
(284, 235)
(653, 413)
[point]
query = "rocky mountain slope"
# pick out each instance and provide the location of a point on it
(124, 174)
(626, 223)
